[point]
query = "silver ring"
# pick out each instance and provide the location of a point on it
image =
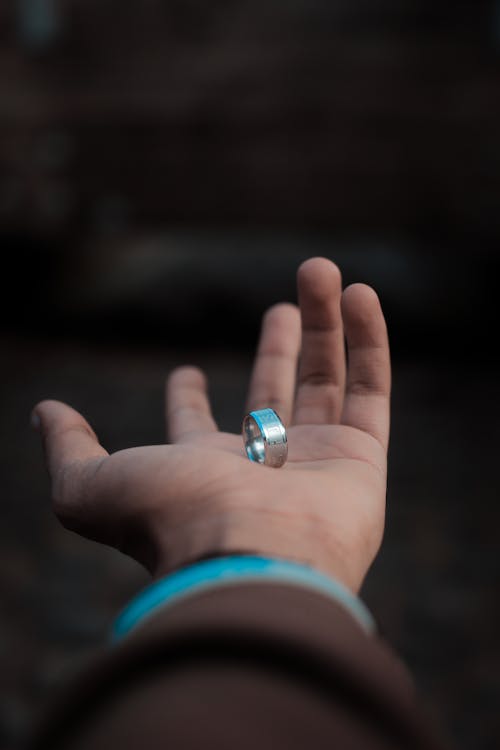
(264, 436)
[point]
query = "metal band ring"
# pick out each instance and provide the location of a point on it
(264, 436)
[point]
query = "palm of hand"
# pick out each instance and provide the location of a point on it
(166, 504)
(330, 493)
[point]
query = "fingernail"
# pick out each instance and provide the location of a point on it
(35, 420)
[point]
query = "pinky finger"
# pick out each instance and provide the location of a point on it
(368, 385)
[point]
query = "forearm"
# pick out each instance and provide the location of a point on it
(252, 664)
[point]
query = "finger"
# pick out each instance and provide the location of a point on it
(188, 411)
(321, 376)
(70, 446)
(367, 397)
(272, 384)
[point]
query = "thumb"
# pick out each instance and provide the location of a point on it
(70, 446)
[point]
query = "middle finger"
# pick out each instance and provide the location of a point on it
(272, 384)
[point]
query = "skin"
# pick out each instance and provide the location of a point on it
(168, 505)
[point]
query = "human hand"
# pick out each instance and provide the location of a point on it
(167, 505)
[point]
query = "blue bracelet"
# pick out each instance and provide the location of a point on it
(221, 571)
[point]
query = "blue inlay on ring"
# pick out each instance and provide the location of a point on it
(265, 439)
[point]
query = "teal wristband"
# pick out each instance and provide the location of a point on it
(220, 571)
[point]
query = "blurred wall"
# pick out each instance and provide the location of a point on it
(127, 126)
(348, 114)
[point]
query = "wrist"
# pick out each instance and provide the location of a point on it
(212, 574)
(251, 532)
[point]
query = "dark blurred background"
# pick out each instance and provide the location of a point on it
(164, 168)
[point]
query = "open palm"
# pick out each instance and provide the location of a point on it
(166, 505)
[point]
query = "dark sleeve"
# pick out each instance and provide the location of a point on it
(246, 666)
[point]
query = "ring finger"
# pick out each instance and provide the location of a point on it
(322, 370)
